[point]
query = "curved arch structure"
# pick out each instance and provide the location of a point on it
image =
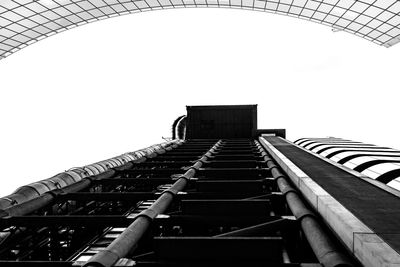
(379, 163)
(179, 128)
(23, 22)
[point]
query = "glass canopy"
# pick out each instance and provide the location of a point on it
(23, 22)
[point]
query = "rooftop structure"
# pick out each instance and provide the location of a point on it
(23, 22)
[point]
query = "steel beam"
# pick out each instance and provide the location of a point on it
(214, 220)
(220, 249)
(128, 240)
(225, 207)
(70, 220)
(253, 186)
(263, 229)
(108, 196)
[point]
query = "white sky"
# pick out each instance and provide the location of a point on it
(114, 86)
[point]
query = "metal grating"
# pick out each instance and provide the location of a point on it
(23, 22)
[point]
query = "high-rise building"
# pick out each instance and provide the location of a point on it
(221, 193)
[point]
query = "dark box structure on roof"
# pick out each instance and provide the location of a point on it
(211, 122)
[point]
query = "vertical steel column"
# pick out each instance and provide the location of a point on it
(129, 239)
(322, 245)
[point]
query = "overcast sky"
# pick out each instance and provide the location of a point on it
(114, 86)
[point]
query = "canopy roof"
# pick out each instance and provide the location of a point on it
(23, 22)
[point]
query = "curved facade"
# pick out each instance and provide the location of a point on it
(23, 22)
(379, 163)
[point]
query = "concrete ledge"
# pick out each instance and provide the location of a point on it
(341, 220)
(372, 249)
(311, 191)
(294, 172)
(365, 245)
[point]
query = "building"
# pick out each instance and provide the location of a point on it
(378, 163)
(228, 194)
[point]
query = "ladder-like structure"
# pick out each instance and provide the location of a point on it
(207, 202)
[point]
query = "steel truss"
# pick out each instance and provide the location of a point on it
(206, 202)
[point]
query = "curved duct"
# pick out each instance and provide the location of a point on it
(75, 175)
(179, 128)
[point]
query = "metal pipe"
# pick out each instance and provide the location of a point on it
(128, 240)
(29, 205)
(326, 251)
(46, 198)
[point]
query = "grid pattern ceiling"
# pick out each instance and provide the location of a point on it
(23, 22)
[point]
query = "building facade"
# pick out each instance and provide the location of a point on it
(378, 163)
(228, 194)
